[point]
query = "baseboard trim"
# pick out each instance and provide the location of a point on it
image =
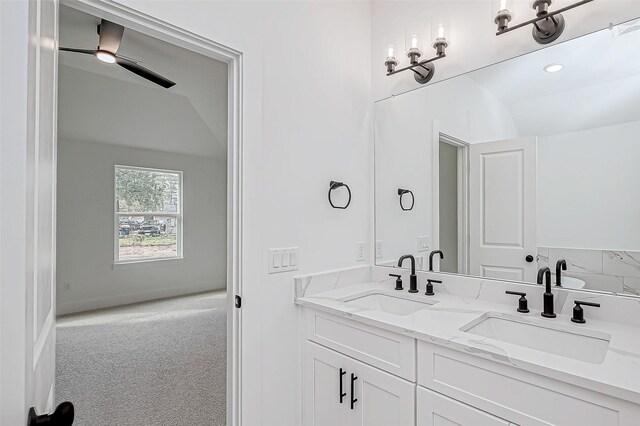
(66, 308)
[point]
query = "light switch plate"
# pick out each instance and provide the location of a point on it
(283, 259)
(379, 250)
(361, 251)
(424, 242)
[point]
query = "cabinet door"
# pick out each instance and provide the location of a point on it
(322, 379)
(438, 410)
(383, 399)
(379, 398)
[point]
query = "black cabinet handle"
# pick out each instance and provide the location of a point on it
(342, 394)
(529, 258)
(353, 390)
(63, 416)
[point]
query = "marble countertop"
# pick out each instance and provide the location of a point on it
(618, 375)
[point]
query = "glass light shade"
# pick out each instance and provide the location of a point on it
(440, 31)
(391, 51)
(415, 37)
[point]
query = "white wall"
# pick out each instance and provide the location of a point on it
(306, 121)
(86, 228)
(405, 146)
(473, 40)
(600, 214)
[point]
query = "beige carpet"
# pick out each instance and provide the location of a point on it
(155, 363)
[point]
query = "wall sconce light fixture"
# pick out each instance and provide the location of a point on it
(547, 26)
(425, 69)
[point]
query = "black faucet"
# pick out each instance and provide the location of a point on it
(413, 279)
(561, 265)
(431, 258)
(547, 297)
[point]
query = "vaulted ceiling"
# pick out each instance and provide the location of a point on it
(105, 103)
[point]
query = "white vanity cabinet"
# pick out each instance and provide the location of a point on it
(339, 390)
(398, 381)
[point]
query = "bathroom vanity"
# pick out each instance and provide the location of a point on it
(373, 355)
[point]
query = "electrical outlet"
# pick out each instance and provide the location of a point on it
(379, 252)
(424, 243)
(361, 252)
(66, 287)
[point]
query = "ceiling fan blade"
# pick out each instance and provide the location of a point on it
(110, 36)
(86, 51)
(144, 72)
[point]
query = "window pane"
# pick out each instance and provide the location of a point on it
(140, 190)
(147, 237)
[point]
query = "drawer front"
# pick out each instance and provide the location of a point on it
(438, 410)
(522, 397)
(385, 350)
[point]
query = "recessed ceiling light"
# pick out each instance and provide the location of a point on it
(553, 68)
(105, 56)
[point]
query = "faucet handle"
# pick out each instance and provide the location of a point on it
(523, 304)
(578, 313)
(398, 281)
(429, 289)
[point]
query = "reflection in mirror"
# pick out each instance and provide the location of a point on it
(519, 166)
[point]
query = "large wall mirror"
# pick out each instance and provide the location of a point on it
(519, 165)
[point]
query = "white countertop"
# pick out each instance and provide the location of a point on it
(618, 375)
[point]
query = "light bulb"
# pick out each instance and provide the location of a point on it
(440, 31)
(105, 56)
(390, 52)
(503, 4)
(414, 41)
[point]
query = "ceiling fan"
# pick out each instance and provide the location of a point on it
(110, 37)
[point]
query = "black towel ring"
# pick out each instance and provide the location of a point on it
(335, 185)
(401, 192)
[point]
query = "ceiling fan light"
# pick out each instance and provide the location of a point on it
(105, 56)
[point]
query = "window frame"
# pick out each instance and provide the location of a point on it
(179, 217)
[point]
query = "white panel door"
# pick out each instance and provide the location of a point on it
(28, 251)
(435, 409)
(502, 209)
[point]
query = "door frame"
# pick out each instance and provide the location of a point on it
(455, 137)
(148, 25)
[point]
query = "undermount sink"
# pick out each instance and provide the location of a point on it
(568, 341)
(574, 283)
(389, 304)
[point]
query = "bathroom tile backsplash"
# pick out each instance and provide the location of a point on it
(605, 270)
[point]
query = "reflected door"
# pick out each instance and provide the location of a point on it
(502, 204)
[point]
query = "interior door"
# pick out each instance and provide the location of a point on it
(502, 209)
(28, 252)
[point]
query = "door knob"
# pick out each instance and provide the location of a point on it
(63, 416)
(529, 258)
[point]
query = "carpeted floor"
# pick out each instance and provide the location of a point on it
(155, 363)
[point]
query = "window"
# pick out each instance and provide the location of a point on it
(148, 214)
